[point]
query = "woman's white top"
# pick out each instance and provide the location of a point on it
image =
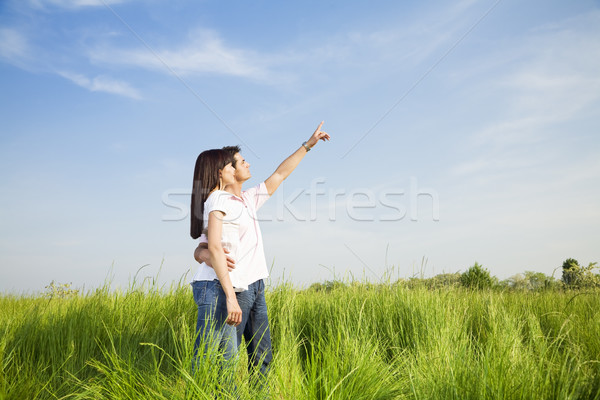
(225, 202)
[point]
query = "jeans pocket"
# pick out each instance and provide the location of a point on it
(204, 292)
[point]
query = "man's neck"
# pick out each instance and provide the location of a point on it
(235, 188)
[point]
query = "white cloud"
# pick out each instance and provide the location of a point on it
(205, 53)
(102, 84)
(13, 45)
(15, 49)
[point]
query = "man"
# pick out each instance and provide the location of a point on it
(251, 258)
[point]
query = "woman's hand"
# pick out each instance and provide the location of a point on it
(234, 312)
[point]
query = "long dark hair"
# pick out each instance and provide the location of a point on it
(206, 178)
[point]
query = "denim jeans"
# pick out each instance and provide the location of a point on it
(255, 327)
(211, 328)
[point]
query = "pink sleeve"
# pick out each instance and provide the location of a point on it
(203, 238)
(257, 195)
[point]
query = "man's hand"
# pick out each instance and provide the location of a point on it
(318, 135)
(202, 255)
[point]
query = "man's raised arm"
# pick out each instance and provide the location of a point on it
(289, 164)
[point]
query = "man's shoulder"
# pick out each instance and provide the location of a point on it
(254, 190)
(256, 196)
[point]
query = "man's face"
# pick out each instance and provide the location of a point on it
(242, 168)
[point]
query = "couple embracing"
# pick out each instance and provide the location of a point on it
(229, 285)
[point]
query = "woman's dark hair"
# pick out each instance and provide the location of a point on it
(206, 178)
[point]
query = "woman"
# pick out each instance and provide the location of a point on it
(213, 213)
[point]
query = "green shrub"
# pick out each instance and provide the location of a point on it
(576, 276)
(569, 266)
(444, 281)
(327, 286)
(530, 281)
(477, 277)
(538, 280)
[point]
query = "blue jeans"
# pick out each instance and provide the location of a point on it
(211, 328)
(255, 327)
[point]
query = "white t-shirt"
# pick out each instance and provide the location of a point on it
(248, 251)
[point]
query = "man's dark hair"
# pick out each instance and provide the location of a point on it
(232, 150)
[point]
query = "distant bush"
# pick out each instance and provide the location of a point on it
(445, 280)
(517, 282)
(327, 286)
(477, 277)
(538, 280)
(576, 276)
(530, 281)
(442, 281)
(569, 266)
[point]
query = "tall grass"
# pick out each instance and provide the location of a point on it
(358, 341)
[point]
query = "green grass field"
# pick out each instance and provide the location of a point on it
(354, 341)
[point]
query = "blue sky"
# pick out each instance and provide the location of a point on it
(461, 131)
